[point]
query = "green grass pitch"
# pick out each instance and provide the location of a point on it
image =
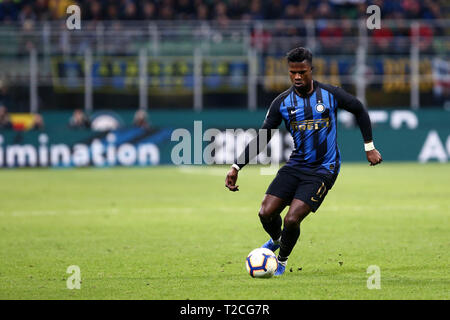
(177, 233)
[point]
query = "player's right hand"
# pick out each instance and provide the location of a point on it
(230, 180)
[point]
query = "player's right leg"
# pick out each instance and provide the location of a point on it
(269, 215)
(298, 210)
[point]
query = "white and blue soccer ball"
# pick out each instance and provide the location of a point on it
(261, 263)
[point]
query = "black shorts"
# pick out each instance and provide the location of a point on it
(292, 184)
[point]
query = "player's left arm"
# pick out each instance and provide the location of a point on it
(350, 103)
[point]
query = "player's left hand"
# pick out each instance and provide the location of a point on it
(374, 157)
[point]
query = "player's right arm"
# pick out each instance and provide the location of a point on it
(272, 121)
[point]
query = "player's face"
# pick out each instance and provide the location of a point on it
(301, 75)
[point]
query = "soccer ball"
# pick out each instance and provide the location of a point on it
(261, 263)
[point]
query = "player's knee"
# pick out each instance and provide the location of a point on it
(291, 221)
(264, 213)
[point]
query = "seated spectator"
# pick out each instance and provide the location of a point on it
(112, 12)
(330, 38)
(424, 34)
(382, 39)
(141, 120)
(261, 38)
(221, 14)
(79, 120)
(5, 121)
(38, 122)
(130, 11)
(291, 12)
(255, 11)
(412, 8)
(166, 12)
(431, 10)
(27, 13)
(94, 11)
(202, 12)
(148, 11)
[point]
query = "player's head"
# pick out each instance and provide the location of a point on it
(300, 68)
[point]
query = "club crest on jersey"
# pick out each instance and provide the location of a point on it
(320, 108)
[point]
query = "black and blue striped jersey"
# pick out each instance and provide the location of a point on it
(312, 122)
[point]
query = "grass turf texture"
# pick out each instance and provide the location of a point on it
(177, 233)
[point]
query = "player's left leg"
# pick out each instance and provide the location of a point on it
(308, 197)
(298, 211)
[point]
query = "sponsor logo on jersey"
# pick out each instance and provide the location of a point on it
(315, 124)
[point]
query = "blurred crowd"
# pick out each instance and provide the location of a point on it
(336, 31)
(41, 10)
(334, 21)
